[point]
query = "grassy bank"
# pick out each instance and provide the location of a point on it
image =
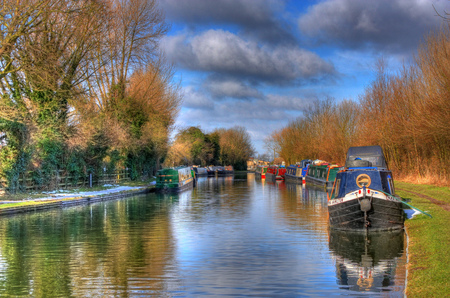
(37, 195)
(429, 240)
(25, 202)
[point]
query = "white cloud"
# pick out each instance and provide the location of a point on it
(196, 100)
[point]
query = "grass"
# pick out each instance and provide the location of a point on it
(429, 242)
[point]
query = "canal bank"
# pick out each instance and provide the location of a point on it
(67, 199)
(429, 240)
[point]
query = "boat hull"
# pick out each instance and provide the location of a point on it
(384, 213)
(259, 175)
(270, 176)
(294, 179)
(319, 181)
(170, 188)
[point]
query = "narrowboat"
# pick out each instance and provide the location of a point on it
(297, 173)
(174, 179)
(199, 171)
(321, 173)
(363, 196)
(220, 171)
(275, 173)
(229, 170)
(225, 171)
(212, 171)
(261, 172)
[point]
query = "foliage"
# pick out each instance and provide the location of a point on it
(235, 147)
(84, 89)
(406, 113)
(221, 147)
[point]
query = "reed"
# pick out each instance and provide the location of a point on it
(407, 113)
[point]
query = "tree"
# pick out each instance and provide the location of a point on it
(135, 28)
(191, 146)
(235, 147)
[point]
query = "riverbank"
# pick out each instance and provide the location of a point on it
(429, 240)
(42, 201)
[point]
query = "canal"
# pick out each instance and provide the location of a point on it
(230, 236)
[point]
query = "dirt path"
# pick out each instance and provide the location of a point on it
(441, 204)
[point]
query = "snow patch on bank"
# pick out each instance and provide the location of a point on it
(97, 192)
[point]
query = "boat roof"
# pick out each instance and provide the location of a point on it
(374, 154)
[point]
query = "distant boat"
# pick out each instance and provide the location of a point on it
(260, 172)
(275, 173)
(174, 179)
(212, 171)
(199, 171)
(297, 173)
(226, 171)
(322, 173)
(363, 196)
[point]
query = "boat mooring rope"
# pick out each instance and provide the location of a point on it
(409, 205)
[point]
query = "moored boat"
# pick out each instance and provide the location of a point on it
(297, 173)
(174, 179)
(261, 172)
(228, 170)
(321, 173)
(212, 171)
(363, 196)
(199, 171)
(275, 173)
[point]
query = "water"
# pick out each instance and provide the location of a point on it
(228, 237)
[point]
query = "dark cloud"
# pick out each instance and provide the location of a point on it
(389, 25)
(222, 52)
(252, 18)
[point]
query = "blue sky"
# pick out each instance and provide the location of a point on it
(260, 63)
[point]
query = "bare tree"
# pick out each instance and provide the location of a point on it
(135, 28)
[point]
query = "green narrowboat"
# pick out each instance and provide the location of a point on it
(322, 173)
(174, 179)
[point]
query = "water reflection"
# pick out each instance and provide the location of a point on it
(368, 262)
(231, 236)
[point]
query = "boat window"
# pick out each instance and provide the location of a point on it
(391, 186)
(363, 180)
(336, 189)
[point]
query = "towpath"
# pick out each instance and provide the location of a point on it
(441, 204)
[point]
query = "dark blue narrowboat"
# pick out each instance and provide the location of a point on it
(297, 173)
(363, 195)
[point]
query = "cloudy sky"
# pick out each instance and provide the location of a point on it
(259, 63)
